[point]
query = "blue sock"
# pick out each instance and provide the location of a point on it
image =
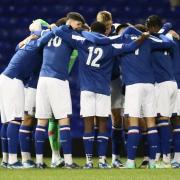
(25, 138)
(124, 137)
(102, 141)
(176, 139)
(4, 140)
(164, 134)
(132, 141)
(153, 141)
(116, 137)
(171, 141)
(65, 139)
(145, 143)
(13, 137)
(159, 145)
(40, 137)
(88, 140)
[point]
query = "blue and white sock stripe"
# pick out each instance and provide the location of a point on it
(102, 137)
(88, 137)
(3, 138)
(176, 129)
(152, 130)
(133, 130)
(163, 123)
(16, 122)
(41, 128)
(64, 128)
(24, 131)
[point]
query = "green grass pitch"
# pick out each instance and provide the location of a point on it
(94, 174)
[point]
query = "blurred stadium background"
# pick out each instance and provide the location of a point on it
(16, 15)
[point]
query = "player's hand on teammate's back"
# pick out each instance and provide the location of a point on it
(145, 35)
(174, 34)
(52, 26)
(33, 37)
(29, 38)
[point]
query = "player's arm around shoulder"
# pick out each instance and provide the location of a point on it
(130, 47)
(27, 40)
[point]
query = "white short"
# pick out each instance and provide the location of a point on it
(53, 98)
(140, 98)
(30, 101)
(94, 104)
(12, 99)
(177, 104)
(166, 95)
(117, 98)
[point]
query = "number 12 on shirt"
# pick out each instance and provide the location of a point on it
(94, 61)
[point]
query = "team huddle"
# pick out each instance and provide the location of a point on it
(128, 72)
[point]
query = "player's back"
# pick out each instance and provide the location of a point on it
(56, 55)
(176, 61)
(116, 68)
(162, 65)
(95, 67)
(137, 66)
(24, 61)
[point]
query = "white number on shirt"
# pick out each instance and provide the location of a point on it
(56, 42)
(94, 62)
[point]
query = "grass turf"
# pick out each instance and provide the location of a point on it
(80, 174)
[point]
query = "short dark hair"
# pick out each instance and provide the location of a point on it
(153, 21)
(76, 16)
(98, 27)
(141, 27)
(121, 26)
(61, 21)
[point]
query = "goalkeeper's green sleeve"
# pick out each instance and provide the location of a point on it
(72, 60)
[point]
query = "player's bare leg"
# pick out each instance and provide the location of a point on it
(96, 128)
